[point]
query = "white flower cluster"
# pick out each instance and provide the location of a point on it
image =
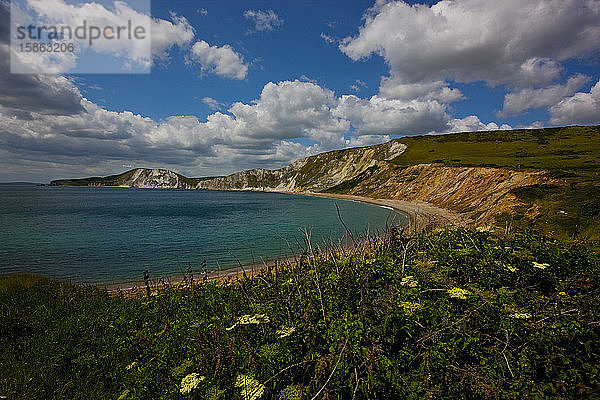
(251, 388)
(250, 320)
(521, 315)
(540, 265)
(190, 382)
(285, 331)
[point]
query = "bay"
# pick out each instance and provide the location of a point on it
(109, 235)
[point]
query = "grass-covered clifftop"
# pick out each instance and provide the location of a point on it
(450, 314)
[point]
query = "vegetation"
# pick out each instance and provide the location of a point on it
(574, 149)
(571, 154)
(448, 314)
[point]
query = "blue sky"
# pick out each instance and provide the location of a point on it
(293, 51)
(240, 84)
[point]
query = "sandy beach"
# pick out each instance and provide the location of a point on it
(420, 214)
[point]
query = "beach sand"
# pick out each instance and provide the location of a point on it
(421, 215)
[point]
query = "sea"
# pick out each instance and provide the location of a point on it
(105, 235)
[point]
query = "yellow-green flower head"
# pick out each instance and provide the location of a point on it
(250, 320)
(409, 307)
(458, 293)
(540, 265)
(251, 388)
(409, 281)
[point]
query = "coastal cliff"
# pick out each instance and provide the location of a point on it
(477, 193)
(138, 178)
(311, 174)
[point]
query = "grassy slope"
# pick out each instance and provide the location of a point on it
(575, 149)
(357, 318)
(571, 153)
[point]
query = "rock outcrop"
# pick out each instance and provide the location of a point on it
(478, 193)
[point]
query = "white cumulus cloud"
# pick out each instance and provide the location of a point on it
(514, 42)
(381, 116)
(212, 103)
(473, 124)
(581, 108)
(167, 34)
(524, 99)
(223, 61)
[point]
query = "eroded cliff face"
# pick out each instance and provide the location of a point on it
(156, 179)
(477, 192)
(311, 174)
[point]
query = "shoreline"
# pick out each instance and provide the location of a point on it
(421, 215)
(221, 275)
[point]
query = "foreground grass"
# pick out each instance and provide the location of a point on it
(450, 314)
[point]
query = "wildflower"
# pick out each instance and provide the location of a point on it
(132, 365)
(521, 315)
(409, 281)
(250, 320)
(540, 265)
(251, 388)
(285, 331)
(409, 308)
(458, 293)
(562, 293)
(510, 268)
(190, 382)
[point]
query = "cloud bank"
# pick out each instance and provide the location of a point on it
(518, 44)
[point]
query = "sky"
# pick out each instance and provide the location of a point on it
(258, 84)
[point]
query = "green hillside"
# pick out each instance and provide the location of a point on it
(559, 149)
(572, 154)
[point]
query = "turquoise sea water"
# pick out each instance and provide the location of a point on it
(106, 235)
